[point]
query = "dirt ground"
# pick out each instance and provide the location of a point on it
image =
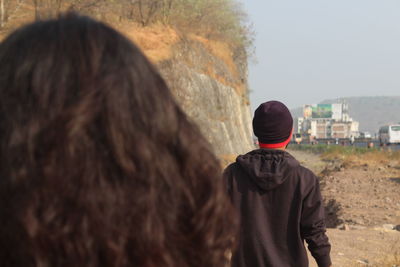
(363, 211)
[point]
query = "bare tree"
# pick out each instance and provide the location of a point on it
(147, 10)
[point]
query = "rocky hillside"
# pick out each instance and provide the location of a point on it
(371, 111)
(213, 92)
(209, 80)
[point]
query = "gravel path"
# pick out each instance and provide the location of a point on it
(363, 204)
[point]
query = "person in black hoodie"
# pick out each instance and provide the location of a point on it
(278, 200)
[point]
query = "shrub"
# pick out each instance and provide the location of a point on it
(215, 19)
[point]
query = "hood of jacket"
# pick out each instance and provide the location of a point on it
(268, 168)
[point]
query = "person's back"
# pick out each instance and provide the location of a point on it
(278, 201)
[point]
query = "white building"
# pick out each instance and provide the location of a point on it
(323, 121)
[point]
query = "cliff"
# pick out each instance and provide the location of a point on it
(208, 79)
(213, 93)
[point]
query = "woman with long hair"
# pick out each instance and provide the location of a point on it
(98, 164)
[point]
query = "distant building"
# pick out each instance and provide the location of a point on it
(322, 121)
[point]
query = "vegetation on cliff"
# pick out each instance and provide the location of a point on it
(214, 19)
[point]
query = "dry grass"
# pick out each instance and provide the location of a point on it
(391, 260)
(374, 157)
(156, 41)
(220, 50)
(353, 156)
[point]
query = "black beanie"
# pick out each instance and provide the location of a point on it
(272, 123)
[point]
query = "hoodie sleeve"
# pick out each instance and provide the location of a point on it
(313, 226)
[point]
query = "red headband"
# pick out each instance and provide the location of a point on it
(278, 145)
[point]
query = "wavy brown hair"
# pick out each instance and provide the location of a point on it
(98, 164)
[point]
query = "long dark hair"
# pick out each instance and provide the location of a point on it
(98, 164)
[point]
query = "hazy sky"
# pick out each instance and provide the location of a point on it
(311, 50)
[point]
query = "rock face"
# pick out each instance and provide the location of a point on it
(213, 94)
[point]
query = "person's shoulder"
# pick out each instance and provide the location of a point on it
(296, 165)
(304, 172)
(307, 179)
(233, 166)
(307, 175)
(228, 170)
(230, 166)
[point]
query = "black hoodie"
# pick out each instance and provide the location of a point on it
(280, 205)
